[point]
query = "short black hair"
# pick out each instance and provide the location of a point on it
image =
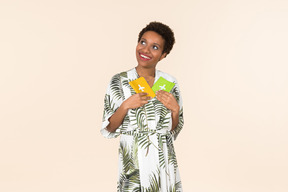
(164, 30)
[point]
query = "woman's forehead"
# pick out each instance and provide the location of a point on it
(153, 37)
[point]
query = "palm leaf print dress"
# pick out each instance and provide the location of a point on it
(147, 161)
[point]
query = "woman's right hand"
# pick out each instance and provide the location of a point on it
(136, 100)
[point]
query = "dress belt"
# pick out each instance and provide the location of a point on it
(146, 132)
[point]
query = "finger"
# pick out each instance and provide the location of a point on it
(161, 99)
(143, 93)
(144, 102)
(146, 98)
(158, 95)
(167, 96)
(162, 96)
(164, 102)
(161, 92)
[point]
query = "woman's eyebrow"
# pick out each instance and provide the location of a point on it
(153, 43)
(157, 44)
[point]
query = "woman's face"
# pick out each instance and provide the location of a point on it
(149, 49)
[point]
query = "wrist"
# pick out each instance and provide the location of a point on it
(124, 106)
(175, 111)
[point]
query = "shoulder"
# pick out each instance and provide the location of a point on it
(123, 74)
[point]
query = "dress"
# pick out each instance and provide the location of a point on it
(147, 160)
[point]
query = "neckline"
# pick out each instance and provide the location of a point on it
(155, 78)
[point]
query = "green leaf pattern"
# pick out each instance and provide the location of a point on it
(147, 159)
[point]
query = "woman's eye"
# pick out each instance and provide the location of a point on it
(155, 47)
(142, 42)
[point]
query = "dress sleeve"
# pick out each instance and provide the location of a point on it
(112, 101)
(176, 92)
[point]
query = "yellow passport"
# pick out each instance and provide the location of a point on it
(140, 85)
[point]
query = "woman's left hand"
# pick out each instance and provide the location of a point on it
(168, 100)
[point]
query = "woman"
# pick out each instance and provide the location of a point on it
(147, 125)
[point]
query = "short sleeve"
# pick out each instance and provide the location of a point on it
(176, 92)
(112, 102)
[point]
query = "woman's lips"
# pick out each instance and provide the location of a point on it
(144, 57)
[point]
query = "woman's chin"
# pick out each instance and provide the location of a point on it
(145, 65)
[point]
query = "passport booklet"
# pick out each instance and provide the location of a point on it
(140, 85)
(163, 84)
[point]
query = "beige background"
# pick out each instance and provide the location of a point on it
(58, 56)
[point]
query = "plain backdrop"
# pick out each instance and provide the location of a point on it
(58, 56)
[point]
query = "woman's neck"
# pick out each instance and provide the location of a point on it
(145, 72)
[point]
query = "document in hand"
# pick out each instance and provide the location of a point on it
(163, 84)
(140, 85)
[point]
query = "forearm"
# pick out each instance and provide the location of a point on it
(117, 118)
(135, 101)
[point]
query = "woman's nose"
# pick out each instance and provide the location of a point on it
(146, 49)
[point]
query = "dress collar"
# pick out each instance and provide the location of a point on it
(137, 75)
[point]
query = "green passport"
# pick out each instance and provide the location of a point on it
(163, 84)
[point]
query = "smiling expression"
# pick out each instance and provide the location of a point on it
(149, 49)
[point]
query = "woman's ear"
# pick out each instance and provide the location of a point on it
(163, 56)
